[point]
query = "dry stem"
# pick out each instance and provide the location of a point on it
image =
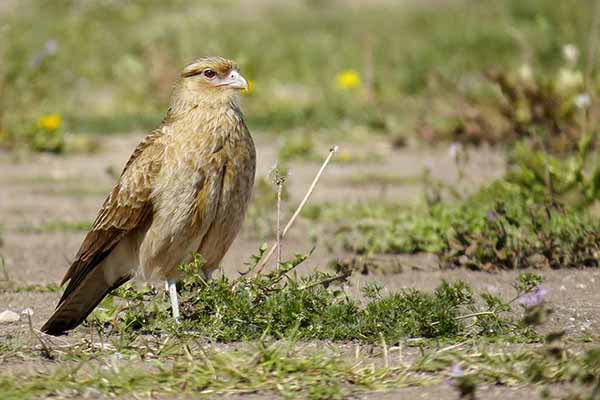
(266, 259)
(279, 189)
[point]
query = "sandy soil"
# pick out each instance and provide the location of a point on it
(38, 190)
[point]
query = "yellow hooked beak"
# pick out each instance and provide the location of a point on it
(234, 80)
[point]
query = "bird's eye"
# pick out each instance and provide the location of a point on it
(209, 73)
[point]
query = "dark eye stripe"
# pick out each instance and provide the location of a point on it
(192, 72)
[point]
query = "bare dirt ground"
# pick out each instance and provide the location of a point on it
(41, 196)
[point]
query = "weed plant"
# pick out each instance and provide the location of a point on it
(504, 225)
(280, 304)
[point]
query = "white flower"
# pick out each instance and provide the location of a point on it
(453, 150)
(569, 79)
(582, 100)
(525, 72)
(27, 311)
(570, 53)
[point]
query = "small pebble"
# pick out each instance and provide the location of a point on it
(9, 317)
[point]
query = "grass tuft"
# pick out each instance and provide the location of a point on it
(281, 305)
(504, 225)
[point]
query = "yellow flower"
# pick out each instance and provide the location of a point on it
(348, 79)
(250, 88)
(344, 156)
(50, 122)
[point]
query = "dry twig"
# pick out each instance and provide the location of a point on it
(268, 256)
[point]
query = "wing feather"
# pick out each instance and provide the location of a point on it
(127, 207)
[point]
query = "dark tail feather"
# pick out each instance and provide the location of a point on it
(80, 303)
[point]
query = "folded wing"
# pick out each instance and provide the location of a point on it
(128, 206)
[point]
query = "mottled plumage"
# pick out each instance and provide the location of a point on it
(185, 189)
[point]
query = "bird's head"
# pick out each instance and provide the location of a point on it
(211, 79)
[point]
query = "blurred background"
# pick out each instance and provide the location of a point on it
(424, 70)
(430, 102)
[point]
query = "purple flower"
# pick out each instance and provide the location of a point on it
(491, 215)
(37, 59)
(51, 47)
(535, 297)
(492, 289)
(455, 372)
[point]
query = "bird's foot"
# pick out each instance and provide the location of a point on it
(172, 289)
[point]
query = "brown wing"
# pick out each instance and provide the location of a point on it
(127, 207)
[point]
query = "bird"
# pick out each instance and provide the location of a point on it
(184, 190)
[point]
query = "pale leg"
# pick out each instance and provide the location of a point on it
(172, 289)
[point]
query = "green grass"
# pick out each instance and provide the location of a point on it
(511, 223)
(281, 305)
(279, 368)
(294, 370)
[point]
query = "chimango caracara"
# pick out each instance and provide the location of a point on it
(185, 189)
